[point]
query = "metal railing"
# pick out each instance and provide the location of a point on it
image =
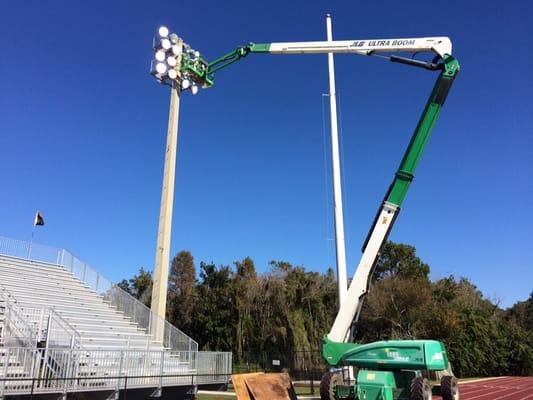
(60, 334)
(17, 330)
(212, 366)
(71, 370)
(36, 324)
(173, 338)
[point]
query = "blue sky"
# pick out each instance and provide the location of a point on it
(82, 127)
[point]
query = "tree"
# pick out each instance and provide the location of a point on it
(284, 313)
(397, 259)
(216, 314)
(124, 285)
(245, 284)
(521, 313)
(182, 291)
(141, 286)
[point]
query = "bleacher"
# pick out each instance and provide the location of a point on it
(64, 328)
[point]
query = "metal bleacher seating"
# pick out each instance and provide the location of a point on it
(64, 328)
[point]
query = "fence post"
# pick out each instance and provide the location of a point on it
(120, 365)
(161, 369)
(6, 364)
(32, 387)
(97, 281)
(66, 374)
(126, 387)
(84, 270)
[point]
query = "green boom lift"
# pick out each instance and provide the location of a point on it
(387, 370)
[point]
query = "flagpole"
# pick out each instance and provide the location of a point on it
(31, 240)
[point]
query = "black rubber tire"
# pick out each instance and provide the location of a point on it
(449, 388)
(327, 385)
(420, 389)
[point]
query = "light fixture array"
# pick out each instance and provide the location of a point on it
(176, 62)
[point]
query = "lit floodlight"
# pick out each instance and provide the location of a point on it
(160, 55)
(175, 49)
(197, 54)
(165, 44)
(172, 74)
(194, 89)
(185, 84)
(161, 68)
(171, 61)
(163, 31)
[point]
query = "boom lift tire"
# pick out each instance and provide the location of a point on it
(449, 388)
(420, 389)
(327, 385)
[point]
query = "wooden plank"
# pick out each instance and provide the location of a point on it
(239, 384)
(271, 387)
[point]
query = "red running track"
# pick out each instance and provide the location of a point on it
(508, 388)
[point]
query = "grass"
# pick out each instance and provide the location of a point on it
(301, 389)
(212, 397)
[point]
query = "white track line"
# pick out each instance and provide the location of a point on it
(511, 394)
(488, 394)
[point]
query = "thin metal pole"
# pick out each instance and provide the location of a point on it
(31, 241)
(342, 282)
(162, 257)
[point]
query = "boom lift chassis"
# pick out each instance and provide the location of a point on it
(387, 370)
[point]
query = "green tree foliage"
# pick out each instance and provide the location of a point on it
(284, 313)
(140, 286)
(216, 314)
(400, 260)
(481, 339)
(182, 294)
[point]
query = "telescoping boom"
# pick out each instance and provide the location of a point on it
(439, 46)
(443, 61)
(394, 198)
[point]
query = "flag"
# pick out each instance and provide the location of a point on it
(39, 220)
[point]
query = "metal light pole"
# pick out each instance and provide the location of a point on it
(342, 281)
(162, 253)
(177, 65)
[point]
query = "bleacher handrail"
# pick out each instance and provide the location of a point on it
(173, 338)
(16, 326)
(33, 320)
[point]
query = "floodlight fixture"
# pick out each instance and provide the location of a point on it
(185, 84)
(172, 74)
(171, 61)
(165, 44)
(161, 68)
(160, 55)
(173, 38)
(177, 63)
(163, 31)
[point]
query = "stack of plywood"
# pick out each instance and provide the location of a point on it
(261, 386)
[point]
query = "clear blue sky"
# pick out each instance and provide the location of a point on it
(82, 127)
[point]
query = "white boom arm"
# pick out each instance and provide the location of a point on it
(351, 307)
(438, 45)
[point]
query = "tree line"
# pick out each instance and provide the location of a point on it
(284, 313)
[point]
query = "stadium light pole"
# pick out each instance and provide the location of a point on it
(170, 57)
(340, 246)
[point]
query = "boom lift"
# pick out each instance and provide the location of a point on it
(387, 370)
